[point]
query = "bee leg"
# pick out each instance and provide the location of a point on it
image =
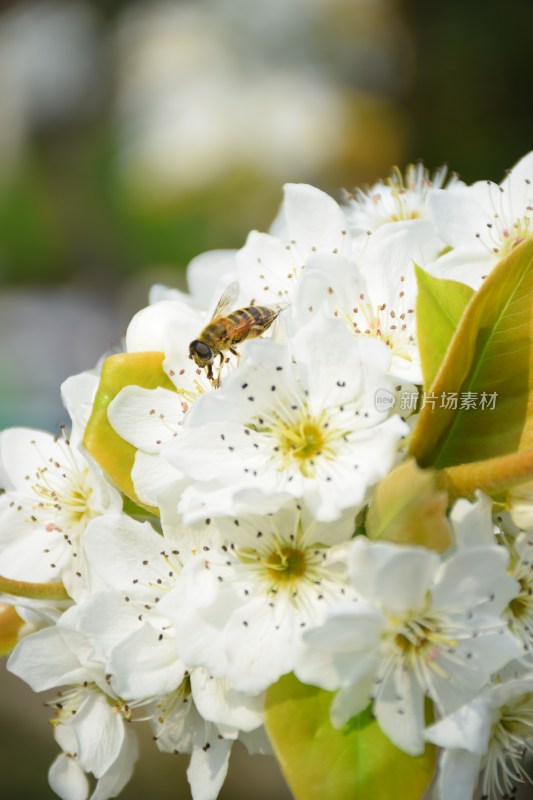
(235, 353)
(216, 382)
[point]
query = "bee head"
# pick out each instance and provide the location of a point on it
(201, 353)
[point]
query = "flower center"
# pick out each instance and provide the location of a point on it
(302, 441)
(299, 438)
(511, 238)
(511, 741)
(393, 325)
(418, 639)
(65, 492)
(286, 564)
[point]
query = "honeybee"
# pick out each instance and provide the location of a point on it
(225, 330)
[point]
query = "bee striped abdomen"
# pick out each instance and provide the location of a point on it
(250, 322)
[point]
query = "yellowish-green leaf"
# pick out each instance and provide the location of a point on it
(491, 353)
(321, 763)
(439, 307)
(408, 508)
(494, 476)
(10, 624)
(114, 454)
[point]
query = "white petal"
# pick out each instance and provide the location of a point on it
(204, 453)
(458, 775)
(473, 576)
(520, 177)
(329, 280)
(208, 769)
(392, 576)
(388, 263)
(399, 710)
(264, 266)
(353, 699)
(155, 327)
(106, 618)
(120, 771)
(77, 394)
(203, 500)
(47, 658)
(24, 451)
(314, 219)
(217, 702)
(492, 651)
(472, 522)
(67, 779)
(98, 729)
(457, 215)
(469, 265)
(468, 728)
(342, 651)
(350, 628)
(146, 417)
(266, 648)
(331, 361)
(153, 475)
(28, 552)
(209, 273)
(145, 665)
(120, 550)
(506, 693)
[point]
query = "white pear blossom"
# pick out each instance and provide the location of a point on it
(249, 601)
(399, 199)
(377, 297)
(420, 626)
(483, 223)
(490, 735)
(298, 421)
(51, 494)
(91, 722)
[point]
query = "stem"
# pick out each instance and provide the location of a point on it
(33, 591)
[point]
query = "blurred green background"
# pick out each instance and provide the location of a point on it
(134, 136)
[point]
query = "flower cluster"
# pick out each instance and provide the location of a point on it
(230, 502)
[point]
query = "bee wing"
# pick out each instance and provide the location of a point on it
(227, 300)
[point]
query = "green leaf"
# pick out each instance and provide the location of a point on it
(114, 454)
(407, 507)
(439, 307)
(491, 352)
(321, 763)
